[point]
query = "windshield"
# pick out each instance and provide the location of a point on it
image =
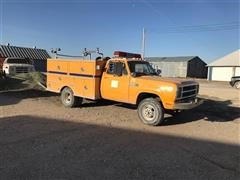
(141, 68)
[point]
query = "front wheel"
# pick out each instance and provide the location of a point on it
(68, 99)
(237, 85)
(151, 112)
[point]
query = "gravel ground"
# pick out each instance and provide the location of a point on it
(40, 139)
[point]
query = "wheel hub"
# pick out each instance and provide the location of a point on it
(148, 112)
(237, 85)
(68, 97)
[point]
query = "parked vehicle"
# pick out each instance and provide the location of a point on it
(1, 66)
(235, 82)
(13, 66)
(124, 78)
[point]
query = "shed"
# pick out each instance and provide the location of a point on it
(182, 66)
(224, 68)
(38, 56)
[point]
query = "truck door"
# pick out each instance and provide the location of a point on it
(115, 82)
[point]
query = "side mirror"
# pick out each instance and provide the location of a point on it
(133, 74)
(118, 69)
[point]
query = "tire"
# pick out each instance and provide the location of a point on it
(4, 75)
(237, 84)
(151, 112)
(68, 99)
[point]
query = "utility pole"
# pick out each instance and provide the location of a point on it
(143, 43)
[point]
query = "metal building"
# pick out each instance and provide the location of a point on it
(183, 66)
(38, 56)
(224, 68)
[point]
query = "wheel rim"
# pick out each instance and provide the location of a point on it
(67, 97)
(237, 85)
(149, 112)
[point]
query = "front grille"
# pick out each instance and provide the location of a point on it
(22, 70)
(187, 92)
(187, 88)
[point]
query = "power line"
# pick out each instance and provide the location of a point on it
(156, 11)
(191, 28)
(198, 28)
(207, 25)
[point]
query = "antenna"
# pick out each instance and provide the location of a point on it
(143, 43)
(55, 51)
(90, 52)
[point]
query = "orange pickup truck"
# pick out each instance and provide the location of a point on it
(124, 78)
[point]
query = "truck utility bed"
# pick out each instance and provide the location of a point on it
(83, 76)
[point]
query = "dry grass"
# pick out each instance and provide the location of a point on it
(22, 81)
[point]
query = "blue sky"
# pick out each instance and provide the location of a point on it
(205, 28)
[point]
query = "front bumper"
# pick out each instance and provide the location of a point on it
(188, 105)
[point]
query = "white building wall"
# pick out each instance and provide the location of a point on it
(237, 71)
(221, 73)
(171, 69)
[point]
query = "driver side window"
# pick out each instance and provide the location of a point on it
(111, 68)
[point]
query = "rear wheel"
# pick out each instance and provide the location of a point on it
(237, 85)
(151, 112)
(68, 99)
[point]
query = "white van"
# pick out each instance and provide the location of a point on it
(13, 66)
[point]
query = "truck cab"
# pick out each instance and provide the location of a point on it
(124, 78)
(134, 81)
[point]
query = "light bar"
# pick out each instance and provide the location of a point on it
(126, 54)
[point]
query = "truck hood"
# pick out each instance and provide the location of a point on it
(167, 80)
(17, 65)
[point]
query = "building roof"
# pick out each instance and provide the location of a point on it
(170, 59)
(23, 52)
(232, 59)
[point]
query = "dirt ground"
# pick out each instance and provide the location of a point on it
(40, 139)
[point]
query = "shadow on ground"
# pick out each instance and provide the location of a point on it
(14, 97)
(11, 83)
(210, 110)
(97, 103)
(39, 148)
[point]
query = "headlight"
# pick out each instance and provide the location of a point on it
(166, 88)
